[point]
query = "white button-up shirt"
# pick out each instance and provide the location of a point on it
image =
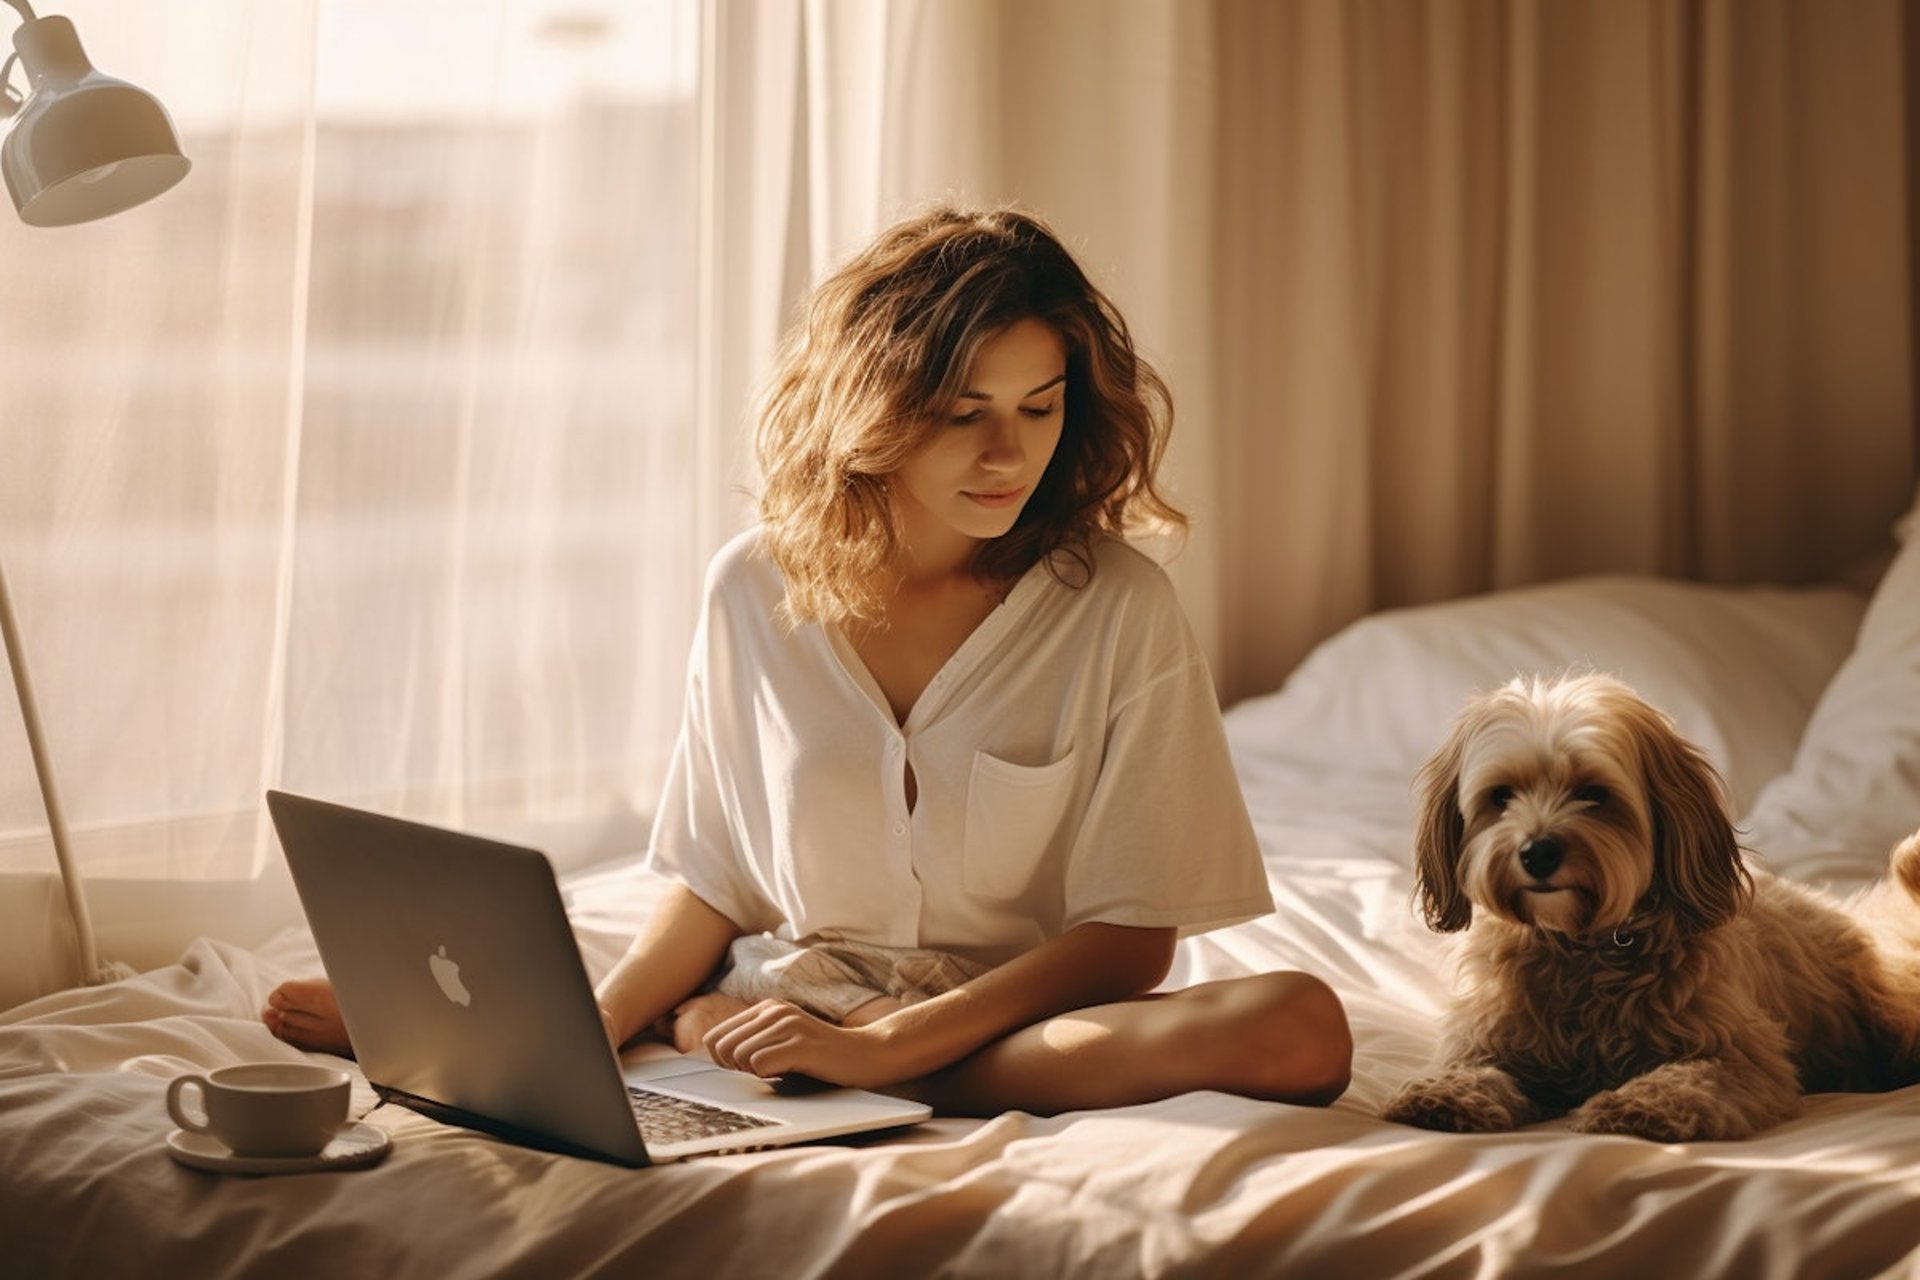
(1069, 760)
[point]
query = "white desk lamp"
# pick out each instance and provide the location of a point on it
(81, 145)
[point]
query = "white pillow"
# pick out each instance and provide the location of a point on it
(1854, 788)
(1738, 669)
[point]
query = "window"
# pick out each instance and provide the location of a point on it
(361, 463)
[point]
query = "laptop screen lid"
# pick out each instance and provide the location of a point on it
(463, 992)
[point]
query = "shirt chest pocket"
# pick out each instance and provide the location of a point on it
(1014, 812)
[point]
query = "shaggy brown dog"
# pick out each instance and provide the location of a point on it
(1623, 967)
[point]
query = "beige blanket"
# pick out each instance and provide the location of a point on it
(1199, 1185)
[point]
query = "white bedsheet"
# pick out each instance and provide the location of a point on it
(1198, 1185)
(1203, 1184)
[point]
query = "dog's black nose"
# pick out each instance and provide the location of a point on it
(1542, 857)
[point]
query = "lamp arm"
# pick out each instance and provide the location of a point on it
(24, 9)
(91, 970)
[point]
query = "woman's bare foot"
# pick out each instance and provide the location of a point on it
(304, 1013)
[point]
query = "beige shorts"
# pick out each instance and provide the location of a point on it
(832, 978)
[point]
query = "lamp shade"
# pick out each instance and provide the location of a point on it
(85, 145)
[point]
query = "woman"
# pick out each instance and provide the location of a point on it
(951, 779)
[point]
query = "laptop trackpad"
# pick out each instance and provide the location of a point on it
(659, 1062)
(816, 1111)
(727, 1088)
(699, 1078)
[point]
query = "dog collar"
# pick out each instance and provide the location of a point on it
(1621, 940)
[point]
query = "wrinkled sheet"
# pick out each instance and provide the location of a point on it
(1198, 1185)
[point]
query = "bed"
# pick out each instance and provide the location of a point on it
(1809, 699)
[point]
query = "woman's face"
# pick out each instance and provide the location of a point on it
(970, 481)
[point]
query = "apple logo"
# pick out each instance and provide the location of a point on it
(447, 973)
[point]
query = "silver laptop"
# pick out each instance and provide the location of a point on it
(464, 995)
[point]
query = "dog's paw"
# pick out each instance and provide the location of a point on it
(1459, 1102)
(1632, 1113)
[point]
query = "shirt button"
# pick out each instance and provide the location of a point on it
(899, 828)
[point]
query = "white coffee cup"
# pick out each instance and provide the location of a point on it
(264, 1108)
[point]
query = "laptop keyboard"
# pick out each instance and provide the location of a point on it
(665, 1118)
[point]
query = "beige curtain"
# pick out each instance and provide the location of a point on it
(1514, 291)
(1455, 294)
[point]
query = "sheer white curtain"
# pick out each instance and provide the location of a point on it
(365, 463)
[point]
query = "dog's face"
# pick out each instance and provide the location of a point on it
(1573, 806)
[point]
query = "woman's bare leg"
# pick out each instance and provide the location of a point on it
(304, 1013)
(1276, 1036)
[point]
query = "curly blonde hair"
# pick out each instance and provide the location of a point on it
(879, 355)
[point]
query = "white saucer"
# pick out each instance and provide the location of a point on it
(354, 1147)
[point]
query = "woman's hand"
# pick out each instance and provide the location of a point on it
(687, 1026)
(1089, 964)
(774, 1038)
